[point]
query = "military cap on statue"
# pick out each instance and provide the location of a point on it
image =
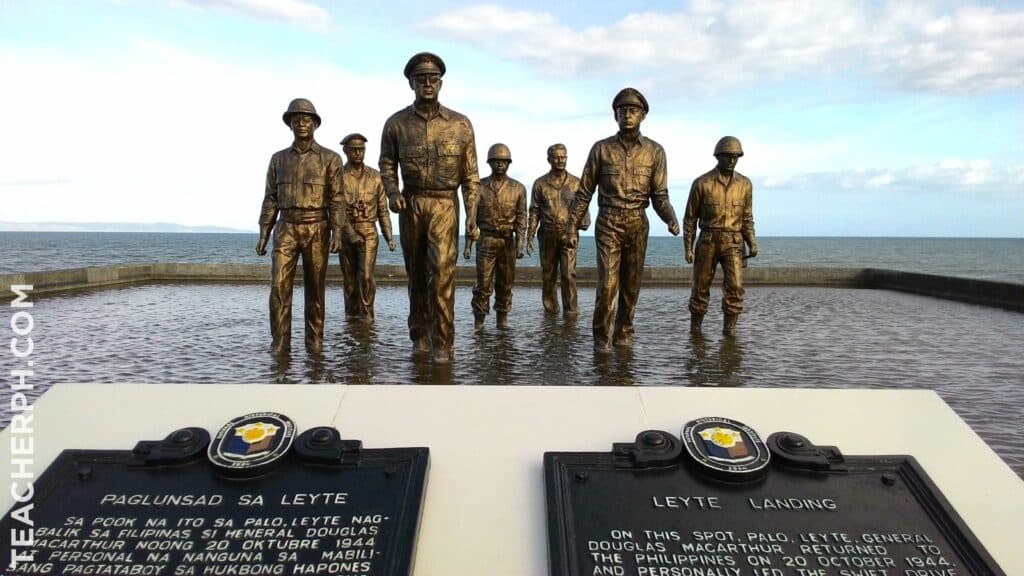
(424, 63)
(630, 97)
(348, 140)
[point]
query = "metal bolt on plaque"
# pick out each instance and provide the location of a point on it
(257, 498)
(718, 500)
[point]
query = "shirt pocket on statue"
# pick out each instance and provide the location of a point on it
(642, 177)
(313, 191)
(286, 191)
(710, 210)
(412, 159)
(448, 154)
(610, 176)
(485, 207)
(735, 212)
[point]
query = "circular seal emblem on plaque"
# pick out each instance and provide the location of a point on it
(250, 444)
(726, 448)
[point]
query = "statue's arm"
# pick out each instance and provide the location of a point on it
(382, 212)
(747, 226)
(470, 184)
(388, 166)
(534, 218)
(585, 222)
(588, 183)
(659, 193)
(338, 207)
(691, 215)
(268, 212)
(521, 221)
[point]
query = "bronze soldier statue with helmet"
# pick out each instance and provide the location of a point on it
(501, 220)
(304, 206)
(721, 203)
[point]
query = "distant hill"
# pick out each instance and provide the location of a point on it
(113, 227)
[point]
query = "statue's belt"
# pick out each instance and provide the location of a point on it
(620, 211)
(303, 215)
(500, 232)
(430, 193)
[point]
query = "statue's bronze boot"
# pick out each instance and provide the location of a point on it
(695, 323)
(729, 327)
(441, 356)
(422, 345)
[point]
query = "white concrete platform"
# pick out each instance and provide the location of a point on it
(485, 510)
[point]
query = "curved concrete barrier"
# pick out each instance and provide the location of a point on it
(986, 292)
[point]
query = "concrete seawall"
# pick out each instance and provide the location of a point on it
(986, 292)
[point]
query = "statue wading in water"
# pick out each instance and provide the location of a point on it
(550, 202)
(630, 172)
(501, 220)
(435, 149)
(721, 201)
(304, 205)
(366, 205)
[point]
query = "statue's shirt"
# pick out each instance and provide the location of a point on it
(309, 180)
(626, 175)
(364, 197)
(720, 203)
(435, 153)
(551, 200)
(501, 207)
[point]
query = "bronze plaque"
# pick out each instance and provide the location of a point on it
(724, 503)
(322, 506)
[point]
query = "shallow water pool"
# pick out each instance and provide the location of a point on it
(788, 337)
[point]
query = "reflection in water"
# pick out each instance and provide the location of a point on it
(715, 363)
(615, 369)
(280, 367)
(426, 372)
(787, 337)
(316, 370)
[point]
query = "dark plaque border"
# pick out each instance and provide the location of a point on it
(125, 472)
(563, 471)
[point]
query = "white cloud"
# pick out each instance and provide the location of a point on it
(167, 134)
(295, 11)
(953, 177)
(162, 133)
(711, 46)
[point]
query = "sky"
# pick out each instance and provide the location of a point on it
(858, 118)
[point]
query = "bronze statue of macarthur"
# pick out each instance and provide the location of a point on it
(630, 172)
(435, 149)
(304, 205)
(550, 202)
(721, 200)
(501, 219)
(367, 204)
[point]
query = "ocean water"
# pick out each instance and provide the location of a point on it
(988, 258)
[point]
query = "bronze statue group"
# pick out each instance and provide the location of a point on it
(315, 205)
